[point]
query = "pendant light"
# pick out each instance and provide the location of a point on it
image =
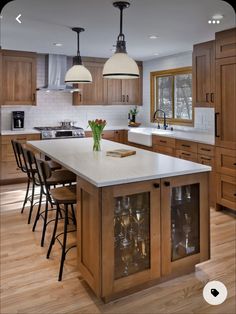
(78, 73)
(120, 65)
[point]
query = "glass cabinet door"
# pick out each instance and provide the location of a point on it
(185, 224)
(131, 234)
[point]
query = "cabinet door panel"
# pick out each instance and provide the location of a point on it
(185, 220)
(226, 191)
(115, 96)
(131, 235)
(225, 102)
(19, 80)
(226, 43)
(131, 90)
(203, 74)
(94, 93)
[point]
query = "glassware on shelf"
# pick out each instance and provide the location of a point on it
(125, 222)
(117, 223)
(139, 218)
(178, 193)
(126, 257)
(188, 192)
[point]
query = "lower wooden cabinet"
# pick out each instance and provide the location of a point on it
(182, 154)
(141, 233)
(8, 166)
(226, 191)
(111, 135)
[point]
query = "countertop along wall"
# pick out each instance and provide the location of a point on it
(203, 117)
(56, 106)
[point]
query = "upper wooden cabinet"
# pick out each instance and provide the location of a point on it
(225, 119)
(18, 82)
(106, 91)
(226, 43)
(93, 93)
(203, 85)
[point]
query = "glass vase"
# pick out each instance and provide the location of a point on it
(96, 142)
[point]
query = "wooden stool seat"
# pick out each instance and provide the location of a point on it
(53, 165)
(64, 195)
(61, 177)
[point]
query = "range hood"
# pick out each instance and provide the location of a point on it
(56, 67)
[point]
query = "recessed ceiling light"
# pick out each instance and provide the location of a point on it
(217, 17)
(156, 54)
(57, 44)
(153, 37)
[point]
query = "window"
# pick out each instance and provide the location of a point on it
(171, 91)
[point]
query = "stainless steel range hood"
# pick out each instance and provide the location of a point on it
(56, 67)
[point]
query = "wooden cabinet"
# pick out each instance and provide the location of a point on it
(9, 170)
(186, 150)
(225, 119)
(93, 93)
(185, 223)
(18, 78)
(134, 235)
(203, 81)
(125, 92)
(226, 191)
(226, 43)
(111, 135)
(226, 161)
(107, 91)
(163, 145)
(131, 236)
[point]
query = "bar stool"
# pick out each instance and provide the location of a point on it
(61, 196)
(53, 179)
(22, 165)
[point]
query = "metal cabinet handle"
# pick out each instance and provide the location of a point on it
(185, 145)
(235, 164)
(156, 185)
(166, 183)
(185, 154)
(127, 98)
(206, 149)
(212, 97)
(161, 141)
(204, 158)
(216, 124)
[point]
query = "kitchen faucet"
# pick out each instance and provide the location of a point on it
(165, 125)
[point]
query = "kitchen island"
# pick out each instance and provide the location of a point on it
(141, 219)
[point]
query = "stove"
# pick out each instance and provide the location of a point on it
(60, 132)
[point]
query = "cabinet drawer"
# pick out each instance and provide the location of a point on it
(6, 139)
(226, 191)
(7, 153)
(206, 160)
(205, 149)
(9, 170)
(226, 43)
(226, 161)
(164, 150)
(186, 155)
(163, 141)
(187, 146)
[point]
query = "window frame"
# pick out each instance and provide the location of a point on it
(153, 94)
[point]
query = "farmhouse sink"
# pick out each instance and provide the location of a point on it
(142, 136)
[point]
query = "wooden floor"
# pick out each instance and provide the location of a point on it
(29, 281)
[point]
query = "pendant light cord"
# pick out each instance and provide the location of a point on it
(77, 60)
(121, 24)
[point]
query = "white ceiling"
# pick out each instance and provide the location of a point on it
(178, 23)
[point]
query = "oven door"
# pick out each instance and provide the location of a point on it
(60, 134)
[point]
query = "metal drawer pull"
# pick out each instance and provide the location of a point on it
(234, 194)
(156, 185)
(166, 183)
(204, 158)
(235, 164)
(127, 98)
(212, 97)
(206, 149)
(185, 145)
(162, 141)
(216, 124)
(185, 154)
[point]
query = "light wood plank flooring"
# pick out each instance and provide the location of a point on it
(29, 281)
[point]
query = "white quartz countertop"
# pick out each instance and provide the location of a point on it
(194, 136)
(26, 131)
(101, 170)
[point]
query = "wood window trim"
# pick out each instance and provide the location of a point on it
(153, 75)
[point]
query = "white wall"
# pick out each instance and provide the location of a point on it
(204, 117)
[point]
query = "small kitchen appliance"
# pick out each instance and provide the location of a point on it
(18, 118)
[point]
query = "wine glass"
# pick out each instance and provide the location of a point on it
(139, 218)
(126, 257)
(125, 222)
(117, 221)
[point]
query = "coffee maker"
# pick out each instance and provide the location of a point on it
(18, 120)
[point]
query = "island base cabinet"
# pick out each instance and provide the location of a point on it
(132, 236)
(184, 223)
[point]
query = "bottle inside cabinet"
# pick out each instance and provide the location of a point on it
(185, 210)
(131, 234)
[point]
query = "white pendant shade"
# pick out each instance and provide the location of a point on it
(78, 74)
(120, 66)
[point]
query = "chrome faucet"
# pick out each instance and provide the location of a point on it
(165, 125)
